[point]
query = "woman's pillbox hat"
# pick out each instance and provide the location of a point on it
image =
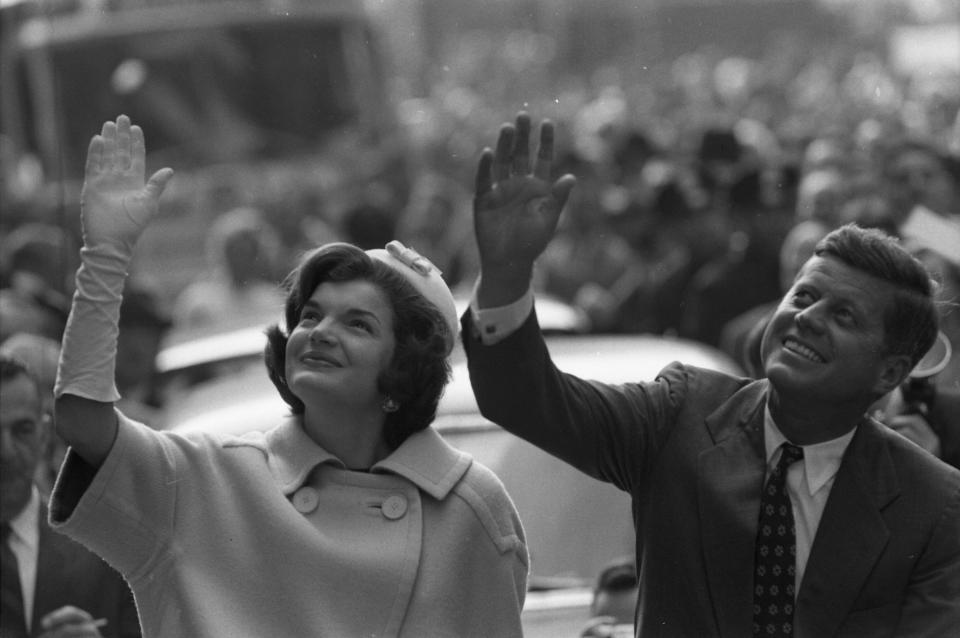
(425, 277)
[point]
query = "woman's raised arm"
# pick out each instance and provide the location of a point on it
(116, 204)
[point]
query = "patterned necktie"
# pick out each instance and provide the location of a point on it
(775, 562)
(12, 623)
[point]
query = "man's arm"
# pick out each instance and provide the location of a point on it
(117, 203)
(603, 430)
(932, 600)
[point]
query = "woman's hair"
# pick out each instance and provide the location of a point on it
(418, 371)
(911, 320)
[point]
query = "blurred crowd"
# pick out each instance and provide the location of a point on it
(703, 183)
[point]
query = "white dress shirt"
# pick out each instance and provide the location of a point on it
(808, 483)
(24, 542)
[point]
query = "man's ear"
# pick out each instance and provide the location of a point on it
(896, 368)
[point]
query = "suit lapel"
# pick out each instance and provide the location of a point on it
(730, 478)
(851, 534)
(52, 569)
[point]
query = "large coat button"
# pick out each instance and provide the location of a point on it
(306, 499)
(394, 507)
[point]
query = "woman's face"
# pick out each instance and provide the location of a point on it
(342, 343)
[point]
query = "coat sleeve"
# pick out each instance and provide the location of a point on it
(931, 605)
(611, 432)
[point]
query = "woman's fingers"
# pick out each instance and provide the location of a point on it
(94, 155)
(138, 150)
(109, 134)
(157, 182)
(123, 143)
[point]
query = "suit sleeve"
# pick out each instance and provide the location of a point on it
(611, 432)
(932, 602)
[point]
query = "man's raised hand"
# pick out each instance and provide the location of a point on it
(516, 209)
(117, 202)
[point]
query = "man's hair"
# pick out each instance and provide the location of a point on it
(11, 368)
(617, 577)
(419, 370)
(910, 320)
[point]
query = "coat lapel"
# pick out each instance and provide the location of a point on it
(730, 479)
(53, 570)
(851, 534)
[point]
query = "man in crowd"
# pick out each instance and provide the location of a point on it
(51, 585)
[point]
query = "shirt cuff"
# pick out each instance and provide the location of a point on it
(496, 324)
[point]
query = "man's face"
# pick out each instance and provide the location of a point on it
(917, 177)
(825, 342)
(21, 443)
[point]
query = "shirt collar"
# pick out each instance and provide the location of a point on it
(425, 459)
(821, 461)
(24, 524)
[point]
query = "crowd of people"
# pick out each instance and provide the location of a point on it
(702, 190)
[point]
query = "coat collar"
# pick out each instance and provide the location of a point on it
(425, 458)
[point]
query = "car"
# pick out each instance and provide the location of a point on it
(575, 525)
(194, 355)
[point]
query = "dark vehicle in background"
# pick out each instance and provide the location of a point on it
(281, 105)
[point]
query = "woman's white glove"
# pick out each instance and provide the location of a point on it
(116, 205)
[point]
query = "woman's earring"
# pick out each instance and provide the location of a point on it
(389, 405)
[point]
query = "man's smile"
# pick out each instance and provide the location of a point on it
(802, 350)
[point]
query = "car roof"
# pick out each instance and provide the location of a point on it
(245, 398)
(189, 348)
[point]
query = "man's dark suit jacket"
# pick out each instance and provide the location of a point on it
(69, 574)
(689, 449)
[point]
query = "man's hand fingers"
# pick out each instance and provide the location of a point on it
(521, 146)
(502, 158)
(544, 164)
(123, 143)
(484, 181)
(64, 615)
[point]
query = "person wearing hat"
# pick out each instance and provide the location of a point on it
(351, 517)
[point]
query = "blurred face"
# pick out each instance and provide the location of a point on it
(342, 344)
(21, 443)
(919, 178)
(825, 342)
(618, 605)
(244, 258)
